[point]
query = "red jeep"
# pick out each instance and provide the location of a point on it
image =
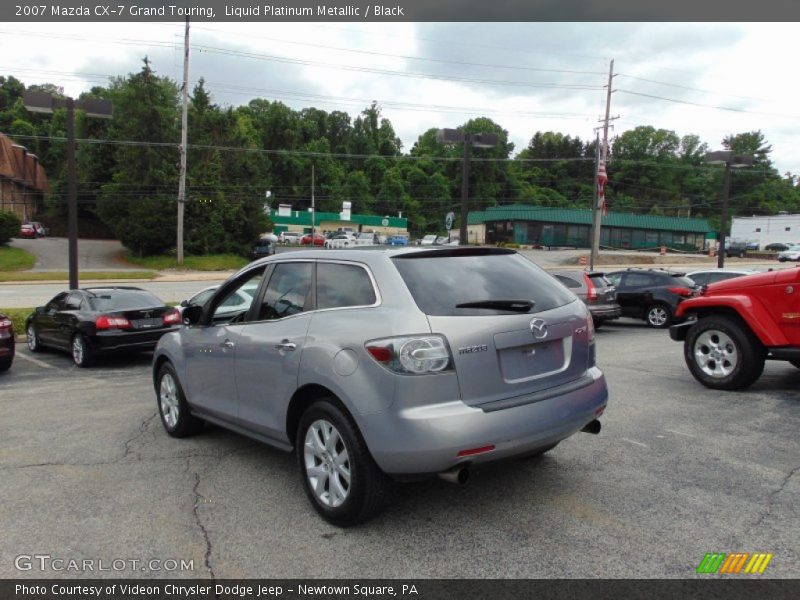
(735, 325)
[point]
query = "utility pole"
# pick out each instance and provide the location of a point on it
(726, 192)
(462, 231)
(184, 135)
(595, 203)
(602, 163)
(313, 206)
(72, 197)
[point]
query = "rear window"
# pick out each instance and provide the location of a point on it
(600, 281)
(123, 300)
(683, 280)
(440, 281)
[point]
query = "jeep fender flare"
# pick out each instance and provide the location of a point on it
(754, 314)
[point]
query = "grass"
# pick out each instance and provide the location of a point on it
(64, 275)
(17, 316)
(15, 259)
(209, 262)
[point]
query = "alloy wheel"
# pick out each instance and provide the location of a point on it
(78, 351)
(168, 397)
(327, 463)
(716, 353)
(32, 341)
(657, 316)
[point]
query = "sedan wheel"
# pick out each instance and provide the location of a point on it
(81, 353)
(168, 399)
(34, 345)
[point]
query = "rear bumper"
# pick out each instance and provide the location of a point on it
(427, 439)
(110, 341)
(605, 311)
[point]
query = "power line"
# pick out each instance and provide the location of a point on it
(701, 105)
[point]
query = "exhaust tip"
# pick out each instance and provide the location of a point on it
(592, 427)
(456, 475)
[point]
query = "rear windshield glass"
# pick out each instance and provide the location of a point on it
(440, 282)
(600, 281)
(123, 300)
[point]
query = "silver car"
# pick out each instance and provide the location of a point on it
(386, 363)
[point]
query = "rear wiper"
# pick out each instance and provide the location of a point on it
(513, 305)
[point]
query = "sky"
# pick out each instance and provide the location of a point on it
(708, 79)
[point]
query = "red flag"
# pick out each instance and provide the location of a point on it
(602, 179)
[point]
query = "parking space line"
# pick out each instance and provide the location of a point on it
(35, 361)
(633, 442)
(679, 433)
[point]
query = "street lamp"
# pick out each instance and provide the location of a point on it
(731, 161)
(44, 102)
(478, 140)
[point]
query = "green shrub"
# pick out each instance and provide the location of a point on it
(9, 226)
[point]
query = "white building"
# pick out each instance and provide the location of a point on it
(766, 230)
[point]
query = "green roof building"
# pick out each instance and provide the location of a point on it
(545, 226)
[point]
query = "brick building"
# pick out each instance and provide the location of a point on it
(23, 182)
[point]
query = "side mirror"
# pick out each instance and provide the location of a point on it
(184, 303)
(192, 315)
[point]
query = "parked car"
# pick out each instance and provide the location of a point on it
(367, 239)
(41, 230)
(397, 240)
(597, 292)
(651, 294)
(777, 246)
(373, 364)
(707, 276)
(270, 236)
(27, 231)
(428, 240)
(340, 240)
(263, 247)
(318, 240)
(290, 237)
(733, 327)
(791, 253)
(7, 343)
(736, 248)
(94, 321)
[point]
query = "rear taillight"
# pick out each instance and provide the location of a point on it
(172, 317)
(412, 355)
(107, 322)
(5, 328)
(681, 291)
(591, 290)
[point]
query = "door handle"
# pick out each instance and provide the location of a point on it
(286, 345)
(227, 344)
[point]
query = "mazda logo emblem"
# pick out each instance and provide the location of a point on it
(539, 328)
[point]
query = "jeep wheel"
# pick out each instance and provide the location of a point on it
(723, 354)
(659, 316)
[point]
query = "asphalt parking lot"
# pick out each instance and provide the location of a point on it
(677, 471)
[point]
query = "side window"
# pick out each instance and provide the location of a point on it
(568, 281)
(287, 292)
(57, 303)
(73, 301)
(638, 280)
(235, 303)
(702, 278)
(615, 279)
(343, 285)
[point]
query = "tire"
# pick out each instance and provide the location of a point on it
(795, 363)
(598, 322)
(34, 343)
(5, 364)
(723, 354)
(177, 419)
(658, 316)
(360, 484)
(82, 354)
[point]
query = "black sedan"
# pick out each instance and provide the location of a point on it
(6, 343)
(94, 321)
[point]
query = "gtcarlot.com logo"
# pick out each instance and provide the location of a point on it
(46, 562)
(734, 563)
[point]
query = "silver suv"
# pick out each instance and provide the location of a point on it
(387, 362)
